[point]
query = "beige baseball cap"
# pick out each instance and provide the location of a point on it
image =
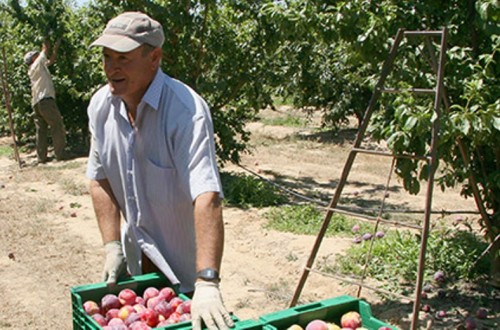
(130, 30)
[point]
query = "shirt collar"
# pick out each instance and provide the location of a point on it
(153, 93)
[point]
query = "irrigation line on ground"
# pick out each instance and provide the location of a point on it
(347, 208)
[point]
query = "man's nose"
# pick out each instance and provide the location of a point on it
(110, 65)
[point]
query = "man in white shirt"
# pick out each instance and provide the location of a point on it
(43, 100)
(153, 160)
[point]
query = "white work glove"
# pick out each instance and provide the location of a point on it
(207, 305)
(115, 266)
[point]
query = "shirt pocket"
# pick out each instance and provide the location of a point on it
(160, 188)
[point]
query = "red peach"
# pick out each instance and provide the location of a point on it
(115, 327)
(116, 321)
(151, 317)
(149, 293)
(138, 325)
(139, 308)
(133, 317)
(482, 313)
(185, 317)
(351, 320)
(110, 301)
(91, 307)
(164, 309)
(125, 311)
(100, 319)
(176, 301)
(127, 297)
(470, 323)
(140, 300)
(168, 293)
(153, 301)
(163, 323)
(112, 313)
(174, 318)
(441, 314)
(185, 307)
(317, 325)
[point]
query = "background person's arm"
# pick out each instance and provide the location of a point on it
(46, 50)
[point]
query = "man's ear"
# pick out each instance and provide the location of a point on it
(156, 56)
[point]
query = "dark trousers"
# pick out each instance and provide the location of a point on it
(47, 115)
(149, 267)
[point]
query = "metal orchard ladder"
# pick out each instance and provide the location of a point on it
(437, 64)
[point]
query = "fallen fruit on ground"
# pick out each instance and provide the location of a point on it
(482, 313)
(439, 276)
(470, 323)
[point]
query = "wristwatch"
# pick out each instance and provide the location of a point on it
(208, 274)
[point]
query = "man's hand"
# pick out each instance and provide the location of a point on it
(207, 305)
(115, 266)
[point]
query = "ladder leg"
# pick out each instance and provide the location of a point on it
(347, 167)
(430, 181)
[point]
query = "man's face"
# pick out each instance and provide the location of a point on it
(129, 74)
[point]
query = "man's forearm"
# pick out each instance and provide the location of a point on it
(106, 210)
(209, 228)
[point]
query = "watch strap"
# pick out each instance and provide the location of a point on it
(208, 274)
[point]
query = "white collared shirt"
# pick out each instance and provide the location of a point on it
(41, 81)
(156, 169)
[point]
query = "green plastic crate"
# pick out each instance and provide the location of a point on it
(329, 310)
(80, 294)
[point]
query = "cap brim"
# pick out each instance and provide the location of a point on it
(117, 43)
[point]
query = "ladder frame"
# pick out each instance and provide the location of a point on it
(432, 158)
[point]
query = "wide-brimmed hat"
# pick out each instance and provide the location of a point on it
(29, 57)
(130, 30)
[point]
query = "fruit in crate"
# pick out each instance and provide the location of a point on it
(91, 307)
(317, 325)
(333, 326)
(150, 293)
(295, 327)
(129, 310)
(127, 297)
(110, 301)
(351, 320)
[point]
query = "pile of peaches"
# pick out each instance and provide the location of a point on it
(129, 311)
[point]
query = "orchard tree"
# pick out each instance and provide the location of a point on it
(75, 76)
(340, 47)
(220, 48)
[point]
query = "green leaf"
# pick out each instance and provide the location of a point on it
(496, 123)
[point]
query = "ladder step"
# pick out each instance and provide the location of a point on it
(437, 33)
(388, 154)
(369, 218)
(409, 90)
(355, 281)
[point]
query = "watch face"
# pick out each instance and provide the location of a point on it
(208, 274)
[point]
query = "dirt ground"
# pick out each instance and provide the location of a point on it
(49, 240)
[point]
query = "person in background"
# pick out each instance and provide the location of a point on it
(152, 160)
(43, 100)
